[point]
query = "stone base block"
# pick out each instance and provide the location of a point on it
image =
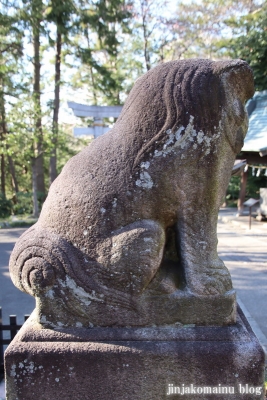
(171, 362)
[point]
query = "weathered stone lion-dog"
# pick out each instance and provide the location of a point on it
(127, 234)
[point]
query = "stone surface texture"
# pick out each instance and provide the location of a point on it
(127, 235)
(135, 363)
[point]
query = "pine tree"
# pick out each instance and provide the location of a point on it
(99, 29)
(10, 51)
(32, 16)
(60, 15)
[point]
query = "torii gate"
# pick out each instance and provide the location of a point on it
(98, 112)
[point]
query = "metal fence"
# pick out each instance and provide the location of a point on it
(12, 328)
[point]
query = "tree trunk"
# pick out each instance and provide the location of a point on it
(3, 177)
(92, 73)
(2, 138)
(13, 174)
(38, 148)
(34, 189)
(53, 157)
(242, 193)
(144, 15)
(146, 51)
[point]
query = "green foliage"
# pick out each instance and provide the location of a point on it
(5, 207)
(60, 13)
(233, 188)
(100, 27)
(106, 46)
(254, 183)
(19, 145)
(197, 28)
(68, 146)
(23, 204)
(249, 42)
(91, 36)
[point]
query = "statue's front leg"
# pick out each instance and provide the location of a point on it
(205, 273)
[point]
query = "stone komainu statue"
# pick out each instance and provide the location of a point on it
(127, 235)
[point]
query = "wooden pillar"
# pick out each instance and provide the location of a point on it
(242, 193)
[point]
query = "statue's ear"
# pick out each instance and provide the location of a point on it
(237, 75)
(238, 86)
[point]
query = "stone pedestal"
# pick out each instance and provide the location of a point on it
(135, 363)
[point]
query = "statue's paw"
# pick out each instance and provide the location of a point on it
(213, 281)
(217, 285)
